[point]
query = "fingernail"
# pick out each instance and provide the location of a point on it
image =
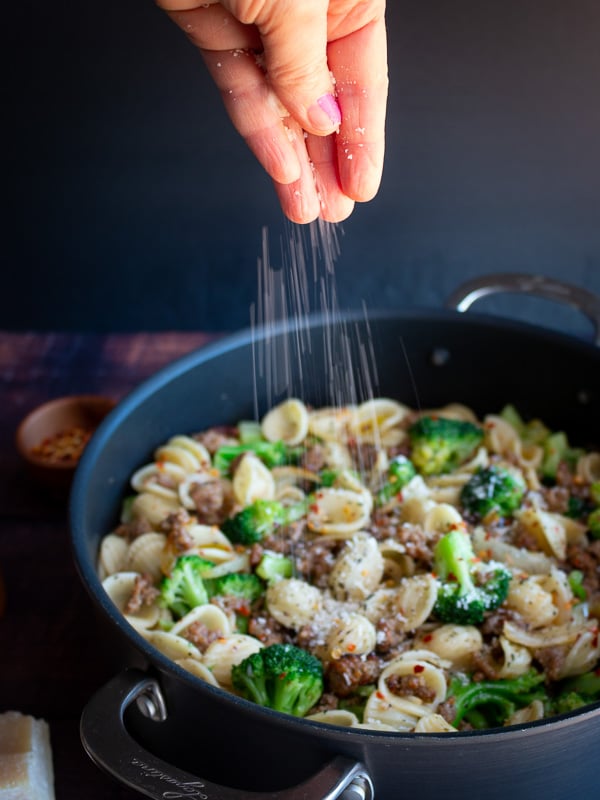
(325, 112)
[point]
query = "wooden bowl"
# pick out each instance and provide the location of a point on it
(52, 437)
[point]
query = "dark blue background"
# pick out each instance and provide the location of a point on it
(132, 203)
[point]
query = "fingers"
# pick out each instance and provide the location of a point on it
(255, 112)
(294, 37)
(317, 192)
(359, 62)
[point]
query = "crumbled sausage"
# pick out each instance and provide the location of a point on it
(346, 674)
(266, 629)
(200, 635)
(410, 686)
(131, 530)
(552, 660)
(178, 536)
(213, 501)
(144, 594)
(217, 437)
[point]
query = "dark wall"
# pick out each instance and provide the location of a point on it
(134, 205)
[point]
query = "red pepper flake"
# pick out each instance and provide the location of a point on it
(351, 647)
(379, 695)
(418, 668)
(428, 637)
(64, 447)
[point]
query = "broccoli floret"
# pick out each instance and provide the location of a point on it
(282, 677)
(595, 493)
(400, 472)
(440, 444)
(272, 454)
(274, 566)
(244, 585)
(488, 704)
(492, 489)
(259, 519)
(574, 693)
(184, 588)
(593, 523)
(468, 588)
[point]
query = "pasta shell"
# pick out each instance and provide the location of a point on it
(293, 603)
(516, 659)
(454, 643)
(209, 615)
(429, 673)
(113, 555)
(415, 599)
(345, 719)
(358, 569)
(374, 418)
(145, 553)
(160, 478)
(433, 723)
(197, 449)
(531, 713)
(339, 512)
(330, 424)
(223, 654)
(174, 647)
(287, 422)
(119, 587)
(252, 481)
(381, 714)
(353, 634)
(198, 669)
(548, 529)
(153, 508)
(177, 455)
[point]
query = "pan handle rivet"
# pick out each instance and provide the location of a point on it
(359, 789)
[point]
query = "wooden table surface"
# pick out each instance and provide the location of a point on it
(50, 657)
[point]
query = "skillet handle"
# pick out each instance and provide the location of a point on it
(576, 297)
(110, 746)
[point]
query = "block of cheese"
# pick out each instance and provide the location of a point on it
(26, 771)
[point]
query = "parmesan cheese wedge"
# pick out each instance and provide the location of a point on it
(26, 771)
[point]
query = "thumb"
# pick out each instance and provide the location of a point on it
(294, 37)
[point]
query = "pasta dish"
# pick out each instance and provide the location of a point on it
(371, 566)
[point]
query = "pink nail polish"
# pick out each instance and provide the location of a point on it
(325, 112)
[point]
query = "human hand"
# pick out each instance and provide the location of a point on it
(305, 84)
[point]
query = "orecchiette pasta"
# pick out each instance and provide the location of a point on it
(373, 560)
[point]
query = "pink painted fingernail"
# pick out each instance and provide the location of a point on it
(325, 112)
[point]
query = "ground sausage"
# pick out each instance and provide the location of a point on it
(346, 674)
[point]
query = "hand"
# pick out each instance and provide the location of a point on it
(305, 83)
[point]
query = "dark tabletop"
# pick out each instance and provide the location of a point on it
(50, 654)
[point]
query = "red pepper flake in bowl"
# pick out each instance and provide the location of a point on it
(53, 436)
(64, 447)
